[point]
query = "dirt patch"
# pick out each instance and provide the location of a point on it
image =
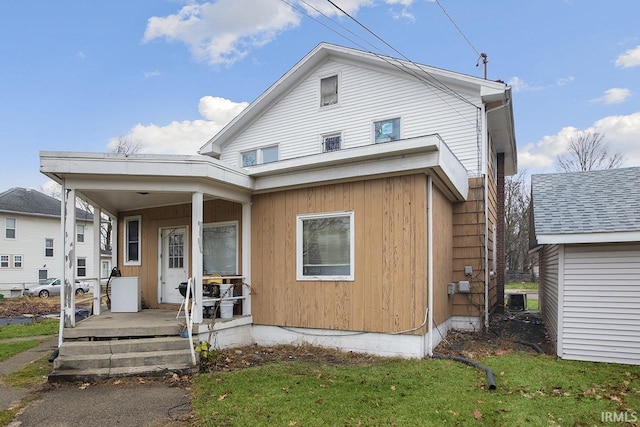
(508, 331)
(29, 306)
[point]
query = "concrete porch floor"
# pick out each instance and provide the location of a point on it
(147, 322)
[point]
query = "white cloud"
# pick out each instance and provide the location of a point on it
(631, 58)
(148, 74)
(621, 133)
(519, 85)
(224, 31)
(614, 95)
(184, 137)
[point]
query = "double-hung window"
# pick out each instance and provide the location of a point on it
(80, 233)
(259, 156)
(325, 246)
(81, 267)
(329, 91)
(17, 261)
(386, 130)
(4, 261)
(48, 248)
(220, 248)
(10, 228)
(132, 235)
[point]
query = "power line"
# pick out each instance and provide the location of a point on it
(458, 28)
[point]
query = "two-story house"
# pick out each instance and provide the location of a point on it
(31, 242)
(357, 203)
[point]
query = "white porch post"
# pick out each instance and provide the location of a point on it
(197, 209)
(97, 258)
(67, 287)
(114, 242)
(246, 256)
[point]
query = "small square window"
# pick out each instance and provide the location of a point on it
(10, 228)
(329, 91)
(270, 154)
(17, 261)
(4, 261)
(386, 130)
(250, 158)
(331, 143)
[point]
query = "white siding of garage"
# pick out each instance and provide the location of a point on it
(549, 256)
(601, 295)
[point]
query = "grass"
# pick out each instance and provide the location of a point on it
(532, 304)
(46, 327)
(9, 349)
(522, 286)
(533, 390)
(32, 375)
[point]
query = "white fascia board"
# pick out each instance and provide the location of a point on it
(139, 165)
(417, 155)
(614, 237)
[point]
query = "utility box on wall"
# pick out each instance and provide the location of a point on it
(464, 286)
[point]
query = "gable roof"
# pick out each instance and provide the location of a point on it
(26, 201)
(497, 94)
(586, 207)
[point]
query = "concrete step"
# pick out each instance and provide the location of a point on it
(111, 333)
(71, 348)
(123, 360)
(89, 375)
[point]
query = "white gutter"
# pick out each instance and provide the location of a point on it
(430, 261)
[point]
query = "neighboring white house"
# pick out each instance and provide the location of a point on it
(31, 241)
(586, 229)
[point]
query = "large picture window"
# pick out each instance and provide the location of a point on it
(132, 234)
(325, 246)
(220, 248)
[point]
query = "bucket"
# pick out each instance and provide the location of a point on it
(226, 306)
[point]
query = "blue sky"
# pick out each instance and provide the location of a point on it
(75, 75)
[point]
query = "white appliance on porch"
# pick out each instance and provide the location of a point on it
(125, 295)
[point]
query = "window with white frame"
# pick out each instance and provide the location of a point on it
(386, 130)
(132, 235)
(43, 274)
(17, 261)
(80, 233)
(105, 269)
(81, 267)
(325, 246)
(331, 142)
(48, 248)
(220, 248)
(10, 228)
(329, 91)
(4, 261)
(259, 156)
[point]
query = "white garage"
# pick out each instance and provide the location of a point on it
(586, 230)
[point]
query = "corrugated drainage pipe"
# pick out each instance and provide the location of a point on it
(488, 371)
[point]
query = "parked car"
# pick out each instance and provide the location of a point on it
(51, 287)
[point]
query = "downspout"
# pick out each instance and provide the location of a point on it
(486, 250)
(63, 221)
(430, 262)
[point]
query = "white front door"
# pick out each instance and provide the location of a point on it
(174, 260)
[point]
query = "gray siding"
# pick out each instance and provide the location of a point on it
(366, 95)
(601, 293)
(549, 257)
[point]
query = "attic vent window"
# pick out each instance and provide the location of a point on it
(331, 143)
(386, 130)
(329, 91)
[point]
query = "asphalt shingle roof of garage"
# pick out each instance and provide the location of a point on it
(587, 202)
(31, 202)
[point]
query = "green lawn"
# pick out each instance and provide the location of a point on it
(46, 327)
(8, 349)
(523, 286)
(532, 390)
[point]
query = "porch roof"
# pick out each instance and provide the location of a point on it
(120, 182)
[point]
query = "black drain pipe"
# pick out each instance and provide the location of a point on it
(488, 371)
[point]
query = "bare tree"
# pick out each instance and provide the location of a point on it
(127, 145)
(517, 197)
(588, 151)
